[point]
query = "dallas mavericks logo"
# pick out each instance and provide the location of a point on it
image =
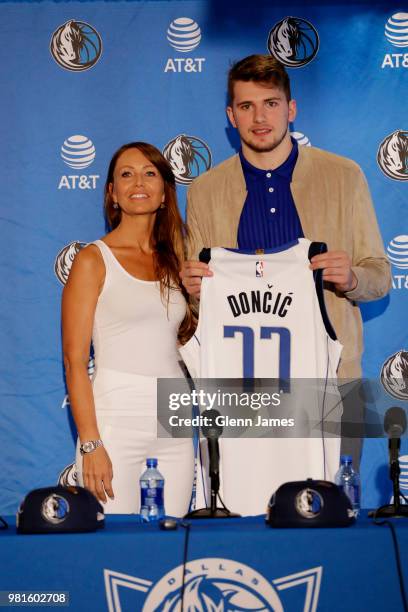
(184, 34)
(212, 585)
(76, 46)
(308, 503)
(78, 152)
(55, 509)
(396, 30)
(301, 139)
(392, 156)
(65, 258)
(294, 42)
(68, 476)
(188, 157)
(394, 375)
(397, 252)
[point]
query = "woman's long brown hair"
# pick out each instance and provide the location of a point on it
(169, 231)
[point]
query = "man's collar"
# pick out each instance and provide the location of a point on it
(285, 170)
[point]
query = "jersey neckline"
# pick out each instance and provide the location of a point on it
(279, 249)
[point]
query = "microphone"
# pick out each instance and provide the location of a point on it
(395, 424)
(212, 430)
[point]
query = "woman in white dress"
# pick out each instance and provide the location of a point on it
(124, 294)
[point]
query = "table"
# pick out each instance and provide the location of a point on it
(130, 566)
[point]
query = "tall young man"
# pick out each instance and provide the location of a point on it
(273, 192)
(268, 195)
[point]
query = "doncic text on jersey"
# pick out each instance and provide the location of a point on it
(253, 301)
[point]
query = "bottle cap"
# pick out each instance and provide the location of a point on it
(346, 459)
(151, 462)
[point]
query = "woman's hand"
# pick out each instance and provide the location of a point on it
(97, 473)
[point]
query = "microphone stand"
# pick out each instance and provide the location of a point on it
(213, 512)
(215, 487)
(212, 434)
(396, 509)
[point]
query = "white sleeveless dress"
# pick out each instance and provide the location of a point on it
(135, 342)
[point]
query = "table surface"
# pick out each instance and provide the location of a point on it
(130, 565)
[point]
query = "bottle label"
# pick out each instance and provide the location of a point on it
(152, 496)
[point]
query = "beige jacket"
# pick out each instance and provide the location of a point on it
(334, 206)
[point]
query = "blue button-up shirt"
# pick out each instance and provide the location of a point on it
(269, 217)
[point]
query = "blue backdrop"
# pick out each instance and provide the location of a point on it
(78, 79)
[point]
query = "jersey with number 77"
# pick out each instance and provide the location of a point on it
(261, 316)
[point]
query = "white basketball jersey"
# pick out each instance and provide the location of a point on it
(260, 317)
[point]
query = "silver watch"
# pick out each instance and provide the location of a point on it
(89, 446)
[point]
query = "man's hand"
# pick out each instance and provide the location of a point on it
(191, 274)
(336, 267)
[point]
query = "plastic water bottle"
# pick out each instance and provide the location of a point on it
(151, 493)
(349, 480)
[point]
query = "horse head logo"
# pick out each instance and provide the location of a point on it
(293, 41)
(68, 476)
(76, 46)
(309, 503)
(188, 157)
(55, 509)
(392, 156)
(214, 595)
(394, 375)
(65, 259)
(180, 154)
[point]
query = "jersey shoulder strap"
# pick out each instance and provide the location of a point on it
(316, 248)
(205, 255)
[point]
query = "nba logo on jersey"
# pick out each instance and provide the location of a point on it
(259, 266)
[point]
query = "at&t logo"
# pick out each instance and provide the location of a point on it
(184, 35)
(301, 139)
(403, 480)
(188, 157)
(397, 252)
(78, 152)
(396, 33)
(294, 42)
(76, 46)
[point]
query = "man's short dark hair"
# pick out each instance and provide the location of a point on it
(263, 69)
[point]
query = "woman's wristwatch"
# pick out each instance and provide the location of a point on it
(90, 446)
